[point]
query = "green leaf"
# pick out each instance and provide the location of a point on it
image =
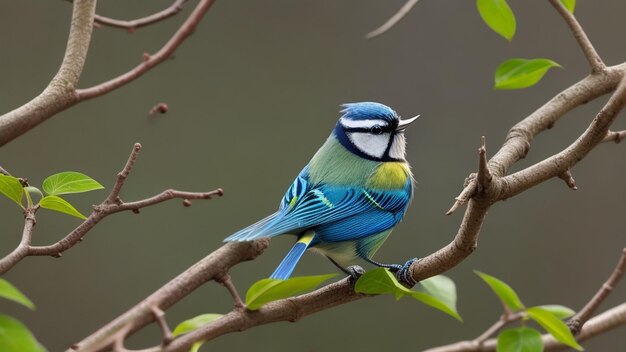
(382, 281)
(14, 336)
(570, 5)
(498, 16)
(12, 188)
(503, 291)
(69, 182)
(194, 323)
(520, 340)
(521, 73)
(8, 291)
(437, 304)
(442, 288)
(59, 204)
(268, 290)
(554, 326)
(561, 312)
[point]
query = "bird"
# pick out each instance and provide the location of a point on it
(346, 201)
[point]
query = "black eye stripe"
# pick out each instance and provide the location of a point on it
(368, 129)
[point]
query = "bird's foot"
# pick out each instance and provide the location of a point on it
(403, 275)
(355, 273)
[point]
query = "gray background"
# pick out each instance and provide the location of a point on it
(252, 94)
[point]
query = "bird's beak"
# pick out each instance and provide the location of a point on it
(403, 124)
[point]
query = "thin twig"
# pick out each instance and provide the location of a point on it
(484, 175)
(616, 137)
(406, 8)
(166, 332)
(122, 175)
(597, 65)
(227, 281)
(150, 61)
(132, 25)
(111, 205)
(468, 191)
(578, 321)
(4, 172)
(569, 179)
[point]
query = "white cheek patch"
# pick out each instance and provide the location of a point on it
(347, 123)
(398, 147)
(370, 144)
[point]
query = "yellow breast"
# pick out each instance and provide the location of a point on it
(389, 175)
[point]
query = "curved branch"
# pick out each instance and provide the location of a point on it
(570, 156)
(59, 94)
(404, 10)
(519, 138)
(597, 65)
(185, 30)
(132, 25)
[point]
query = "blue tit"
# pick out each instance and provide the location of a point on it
(346, 201)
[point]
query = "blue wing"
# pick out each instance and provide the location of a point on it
(336, 213)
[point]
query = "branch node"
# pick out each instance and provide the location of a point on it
(483, 177)
(227, 282)
(166, 332)
(469, 189)
(186, 203)
(612, 136)
(145, 57)
(136, 211)
(569, 179)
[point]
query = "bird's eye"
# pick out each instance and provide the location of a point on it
(376, 129)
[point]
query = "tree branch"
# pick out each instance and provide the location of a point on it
(570, 156)
(578, 321)
(59, 94)
(611, 319)
(111, 205)
(404, 10)
(597, 65)
(451, 255)
(150, 61)
(212, 267)
(132, 25)
(519, 138)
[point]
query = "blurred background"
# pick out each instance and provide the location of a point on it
(252, 95)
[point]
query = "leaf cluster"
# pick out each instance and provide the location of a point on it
(524, 338)
(53, 186)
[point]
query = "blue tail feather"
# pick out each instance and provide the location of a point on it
(285, 268)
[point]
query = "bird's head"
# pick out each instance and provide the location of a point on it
(372, 131)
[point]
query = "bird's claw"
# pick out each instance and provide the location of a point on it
(355, 273)
(403, 274)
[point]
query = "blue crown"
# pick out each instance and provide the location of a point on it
(368, 110)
